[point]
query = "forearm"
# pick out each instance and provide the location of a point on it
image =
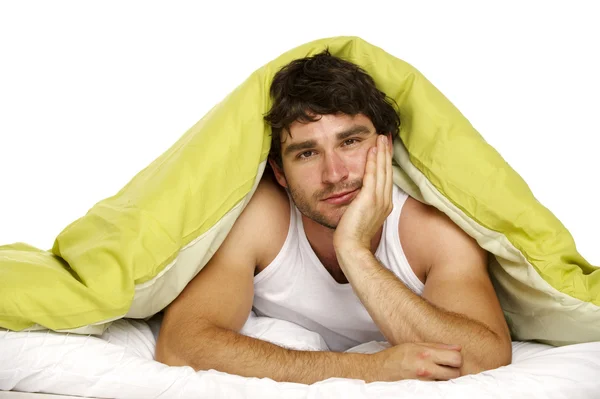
(227, 351)
(403, 316)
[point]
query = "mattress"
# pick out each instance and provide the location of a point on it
(120, 364)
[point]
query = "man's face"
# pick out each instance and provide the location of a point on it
(324, 160)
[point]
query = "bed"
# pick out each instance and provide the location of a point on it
(119, 364)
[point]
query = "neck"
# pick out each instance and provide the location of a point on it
(321, 241)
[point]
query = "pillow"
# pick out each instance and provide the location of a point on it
(134, 252)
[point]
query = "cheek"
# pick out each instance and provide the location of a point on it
(302, 179)
(357, 162)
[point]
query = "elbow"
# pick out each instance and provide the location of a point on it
(502, 351)
(505, 353)
(481, 365)
(393, 341)
(498, 354)
(394, 338)
(165, 355)
(168, 351)
(173, 349)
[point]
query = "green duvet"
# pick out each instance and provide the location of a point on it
(134, 252)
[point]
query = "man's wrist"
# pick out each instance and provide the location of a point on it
(351, 253)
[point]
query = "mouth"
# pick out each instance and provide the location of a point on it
(341, 198)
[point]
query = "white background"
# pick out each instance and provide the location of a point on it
(91, 93)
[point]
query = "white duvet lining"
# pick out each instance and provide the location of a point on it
(120, 364)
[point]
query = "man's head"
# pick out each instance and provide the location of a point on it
(326, 114)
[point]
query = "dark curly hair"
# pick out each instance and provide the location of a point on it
(324, 84)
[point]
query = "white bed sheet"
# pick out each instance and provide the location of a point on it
(120, 364)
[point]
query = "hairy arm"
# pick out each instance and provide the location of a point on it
(459, 305)
(214, 347)
(201, 327)
(201, 330)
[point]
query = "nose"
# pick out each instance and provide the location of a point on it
(334, 169)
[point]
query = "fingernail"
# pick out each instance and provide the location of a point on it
(374, 150)
(384, 140)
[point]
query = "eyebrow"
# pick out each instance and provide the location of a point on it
(305, 145)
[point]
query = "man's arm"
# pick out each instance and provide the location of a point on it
(201, 327)
(459, 305)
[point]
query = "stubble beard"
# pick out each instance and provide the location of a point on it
(304, 204)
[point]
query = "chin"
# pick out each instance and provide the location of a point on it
(335, 218)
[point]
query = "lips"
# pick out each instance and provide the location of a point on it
(339, 195)
(341, 198)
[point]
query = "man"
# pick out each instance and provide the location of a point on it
(329, 243)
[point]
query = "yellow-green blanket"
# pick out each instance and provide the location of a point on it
(134, 252)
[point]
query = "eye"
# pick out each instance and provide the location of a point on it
(350, 142)
(305, 154)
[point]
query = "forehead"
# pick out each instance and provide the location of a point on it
(327, 126)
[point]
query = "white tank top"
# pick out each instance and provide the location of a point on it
(296, 287)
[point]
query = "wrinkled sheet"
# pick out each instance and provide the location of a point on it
(120, 364)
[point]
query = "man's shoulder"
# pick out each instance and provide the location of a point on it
(426, 233)
(269, 199)
(265, 221)
(429, 219)
(413, 226)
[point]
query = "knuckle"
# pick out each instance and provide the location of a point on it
(423, 372)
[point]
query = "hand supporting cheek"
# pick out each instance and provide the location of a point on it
(366, 214)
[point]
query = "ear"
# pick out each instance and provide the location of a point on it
(279, 175)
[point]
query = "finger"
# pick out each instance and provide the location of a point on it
(389, 175)
(370, 169)
(424, 373)
(434, 372)
(381, 158)
(446, 357)
(442, 373)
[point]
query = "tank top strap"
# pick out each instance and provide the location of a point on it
(390, 251)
